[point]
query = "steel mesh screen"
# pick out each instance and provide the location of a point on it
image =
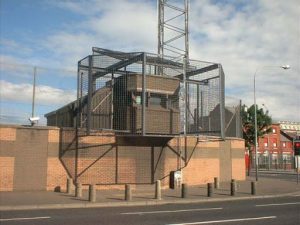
(233, 120)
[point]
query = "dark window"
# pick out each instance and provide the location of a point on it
(154, 100)
(157, 100)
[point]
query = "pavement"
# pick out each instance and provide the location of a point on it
(144, 195)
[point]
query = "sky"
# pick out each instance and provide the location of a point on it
(246, 37)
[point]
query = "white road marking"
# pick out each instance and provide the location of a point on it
(226, 221)
(170, 211)
(279, 204)
(26, 218)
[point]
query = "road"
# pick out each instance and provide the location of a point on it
(284, 210)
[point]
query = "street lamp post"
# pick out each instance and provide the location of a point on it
(285, 67)
(268, 143)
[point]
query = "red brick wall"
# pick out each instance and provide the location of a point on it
(32, 164)
(56, 173)
(7, 138)
(6, 173)
(238, 160)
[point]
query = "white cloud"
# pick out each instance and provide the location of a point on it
(120, 25)
(45, 95)
(128, 26)
(14, 67)
(68, 48)
(83, 7)
(12, 45)
(259, 34)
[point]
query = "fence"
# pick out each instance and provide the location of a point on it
(280, 161)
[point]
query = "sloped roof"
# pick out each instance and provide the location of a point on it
(287, 125)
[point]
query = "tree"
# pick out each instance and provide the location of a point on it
(264, 122)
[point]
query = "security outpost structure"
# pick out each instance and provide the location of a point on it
(139, 116)
(123, 92)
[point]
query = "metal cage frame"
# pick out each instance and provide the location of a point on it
(200, 92)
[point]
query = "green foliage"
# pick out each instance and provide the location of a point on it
(264, 122)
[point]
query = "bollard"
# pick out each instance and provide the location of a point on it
(233, 188)
(253, 188)
(92, 193)
(128, 192)
(183, 190)
(217, 183)
(210, 190)
(69, 185)
(158, 190)
(284, 164)
(235, 184)
(78, 190)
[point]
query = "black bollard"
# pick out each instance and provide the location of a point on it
(253, 188)
(183, 190)
(210, 190)
(233, 188)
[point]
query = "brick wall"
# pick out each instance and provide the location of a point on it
(7, 139)
(6, 173)
(113, 161)
(29, 159)
(238, 160)
(41, 158)
(56, 173)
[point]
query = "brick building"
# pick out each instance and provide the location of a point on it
(276, 148)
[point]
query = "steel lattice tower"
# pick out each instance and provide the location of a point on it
(173, 28)
(173, 39)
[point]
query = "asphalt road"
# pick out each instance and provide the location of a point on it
(279, 211)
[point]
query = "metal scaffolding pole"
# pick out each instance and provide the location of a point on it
(144, 96)
(184, 97)
(186, 19)
(90, 94)
(222, 101)
(112, 101)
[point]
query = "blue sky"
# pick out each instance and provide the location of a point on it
(53, 35)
